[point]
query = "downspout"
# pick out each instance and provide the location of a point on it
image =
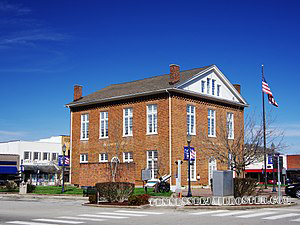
(170, 137)
(71, 150)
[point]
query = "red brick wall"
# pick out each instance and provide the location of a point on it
(293, 161)
(92, 173)
(139, 143)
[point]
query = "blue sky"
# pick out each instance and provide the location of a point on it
(48, 46)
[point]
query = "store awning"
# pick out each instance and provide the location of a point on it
(41, 168)
(8, 170)
(260, 171)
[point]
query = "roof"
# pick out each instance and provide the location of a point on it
(149, 85)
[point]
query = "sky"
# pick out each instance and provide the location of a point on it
(48, 46)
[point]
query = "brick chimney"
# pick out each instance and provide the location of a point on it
(174, 73)
(77, 92)
(237, 87)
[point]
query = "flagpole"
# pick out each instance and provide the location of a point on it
(264, 130)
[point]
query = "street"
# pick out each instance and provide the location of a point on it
(43, 212)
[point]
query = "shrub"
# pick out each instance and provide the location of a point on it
(244, 186)
(138, 199)
(11, 185)
(115, 191)
(30, 188)
(93, 198)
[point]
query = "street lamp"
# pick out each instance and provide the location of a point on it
(189, 139)
(63, 168)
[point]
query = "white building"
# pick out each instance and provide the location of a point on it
(256, 169)
(38, 157)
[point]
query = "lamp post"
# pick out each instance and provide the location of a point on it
(63, 168)
(273, 161)
(189, 139)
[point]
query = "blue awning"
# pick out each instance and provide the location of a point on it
(8, 170)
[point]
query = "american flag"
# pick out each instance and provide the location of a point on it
(267, 90)
(265, 87)
(67, 160)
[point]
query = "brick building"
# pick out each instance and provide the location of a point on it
(144, 124)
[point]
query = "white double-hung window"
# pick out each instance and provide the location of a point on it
(208, 86)
(211, 123)
(103, 124)
(127, 122)
(190, 119)
(84, 127)
(230, 126)
(127, 157)
(83, 158)
(213, 86)
(218, 89)
(152, 157)
(151, 119)
(103, 157)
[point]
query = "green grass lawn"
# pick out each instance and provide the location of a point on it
(6, 190)
(140, 191)
(54, 190)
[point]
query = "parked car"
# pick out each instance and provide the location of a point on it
(293, 190)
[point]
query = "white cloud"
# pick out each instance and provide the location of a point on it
(12, 133)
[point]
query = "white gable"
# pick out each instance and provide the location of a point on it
(213, 83)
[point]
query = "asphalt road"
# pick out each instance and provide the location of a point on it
(43, 212)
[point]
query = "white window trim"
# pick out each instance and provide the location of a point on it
(39, 156)
(213, 86)
(130, 115)
(128, 160)
(105, 121)
(85, 160)
(218, 90)
(208, 83)
(152, 161)
(194, 114)
(231, 137)
(153, 124)
(210, 173)
(48, 156)
(203, 83)
(29, 155)
(100, 158)
(86, 130)
(215, 122)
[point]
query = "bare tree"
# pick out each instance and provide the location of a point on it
(114, 146)
(246, 146)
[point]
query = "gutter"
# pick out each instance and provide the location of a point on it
(91, 102)
(121, 97)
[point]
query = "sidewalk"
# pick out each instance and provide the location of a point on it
(17, 196)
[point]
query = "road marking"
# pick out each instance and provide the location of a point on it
(58, 221)
(142, 212)
(103, 216)
(256, 214)
(79, 218)
(281, 216)
(209, 212)
(120, 214)
(30, 223)
(233, 213)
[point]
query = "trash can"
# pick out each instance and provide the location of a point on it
(23, 188)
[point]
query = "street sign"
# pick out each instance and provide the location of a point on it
(186, 153)
(270, 159)
(146, 174)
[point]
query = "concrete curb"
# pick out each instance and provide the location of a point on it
(117, 206)
(241, 207)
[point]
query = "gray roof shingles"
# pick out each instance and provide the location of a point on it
(138, 86)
